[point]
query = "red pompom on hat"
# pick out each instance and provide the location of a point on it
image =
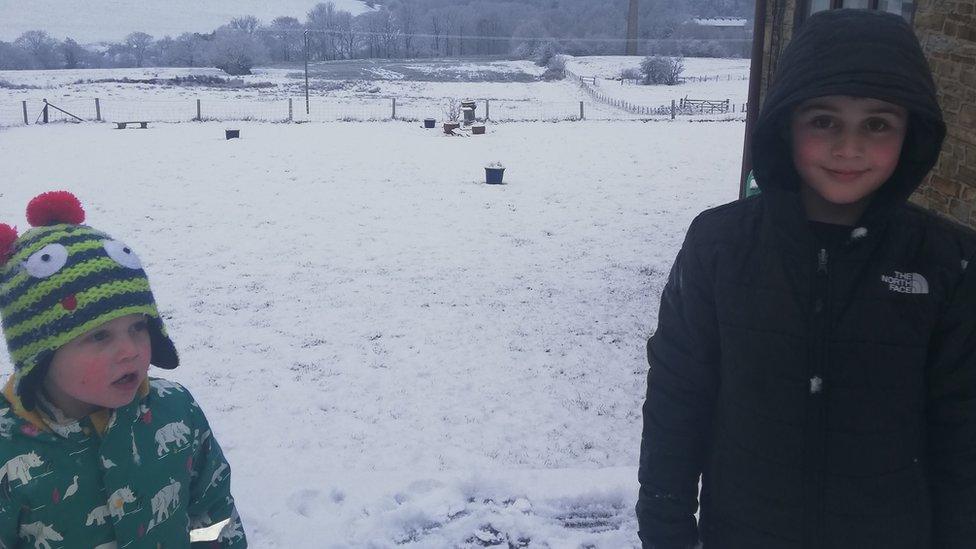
(54, 208)
(8, 235)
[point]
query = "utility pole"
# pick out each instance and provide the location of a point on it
(306, 72)
(632, 28)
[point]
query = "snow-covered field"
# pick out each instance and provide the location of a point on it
(391, 352)
(358, 90)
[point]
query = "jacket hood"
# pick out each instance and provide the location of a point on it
(858, 53)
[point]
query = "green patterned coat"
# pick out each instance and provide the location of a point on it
(143, 476)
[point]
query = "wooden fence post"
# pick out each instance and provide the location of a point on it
(394, 108)
(26, 122)
(581, 110)
(199, 117)
(290, 112)
(487, 109)
(672, 109)
(98, 111)
(44, 112)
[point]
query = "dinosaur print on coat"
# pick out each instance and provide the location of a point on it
(41, 534)
(19, 467)
(167, 497)
(139, 484)
(176, 433)
(118, 500)
(97, 516)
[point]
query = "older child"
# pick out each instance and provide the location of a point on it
(94, 453)
(815, 356)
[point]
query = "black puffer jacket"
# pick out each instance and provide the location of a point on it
(826, 396)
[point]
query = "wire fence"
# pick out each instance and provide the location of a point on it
(675, 108)
(323, 109)
(686, 79)
(39, 111)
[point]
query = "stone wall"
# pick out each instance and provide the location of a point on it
(947, 31)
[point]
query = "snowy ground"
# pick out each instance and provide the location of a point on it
(358, 90)
(391, 352)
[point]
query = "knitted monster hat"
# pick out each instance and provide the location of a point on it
(61, 279)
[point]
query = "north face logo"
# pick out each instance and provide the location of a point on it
(906, 283)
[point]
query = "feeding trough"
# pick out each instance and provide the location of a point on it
(430, 123)
(449, 127)
(478, 129)
(494, 173)
(232, 134)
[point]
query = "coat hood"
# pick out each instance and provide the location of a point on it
(857, 53)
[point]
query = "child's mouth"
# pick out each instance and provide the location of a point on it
(126, 381)
(846, 175)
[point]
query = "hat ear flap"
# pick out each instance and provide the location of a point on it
(28, 386)
(164, 353)
(8, 235)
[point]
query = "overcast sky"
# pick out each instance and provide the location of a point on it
(95, 20)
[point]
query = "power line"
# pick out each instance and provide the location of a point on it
(480, 37)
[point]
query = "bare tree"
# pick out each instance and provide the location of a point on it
(139, 44)
(437, 25)
(346, 35)
(284, 39)
(188, 50)
(13, 57)
(321, 21)
(389, 33)
(406, 18)
(247, 23)
(72, 53)
(40, 47)
(235, 51)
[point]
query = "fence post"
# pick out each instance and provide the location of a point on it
(394, 108)
(98, 111)
(581, 110)
(672, 109)
(44, 112)
(487, 109)
(199, 118)
(24, 103)
(290, 116)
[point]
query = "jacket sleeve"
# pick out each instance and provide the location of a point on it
(951, 410)
(682, 384)
(214, 521)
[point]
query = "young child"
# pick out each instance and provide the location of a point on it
(815, 355)
(93, 453)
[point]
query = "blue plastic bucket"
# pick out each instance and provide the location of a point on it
(493, 176)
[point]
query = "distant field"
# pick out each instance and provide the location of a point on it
(358, 90)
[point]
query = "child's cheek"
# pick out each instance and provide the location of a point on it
(90, 372)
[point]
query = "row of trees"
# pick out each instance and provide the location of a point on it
(395, 29)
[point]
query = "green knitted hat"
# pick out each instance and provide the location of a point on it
(61, 279)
